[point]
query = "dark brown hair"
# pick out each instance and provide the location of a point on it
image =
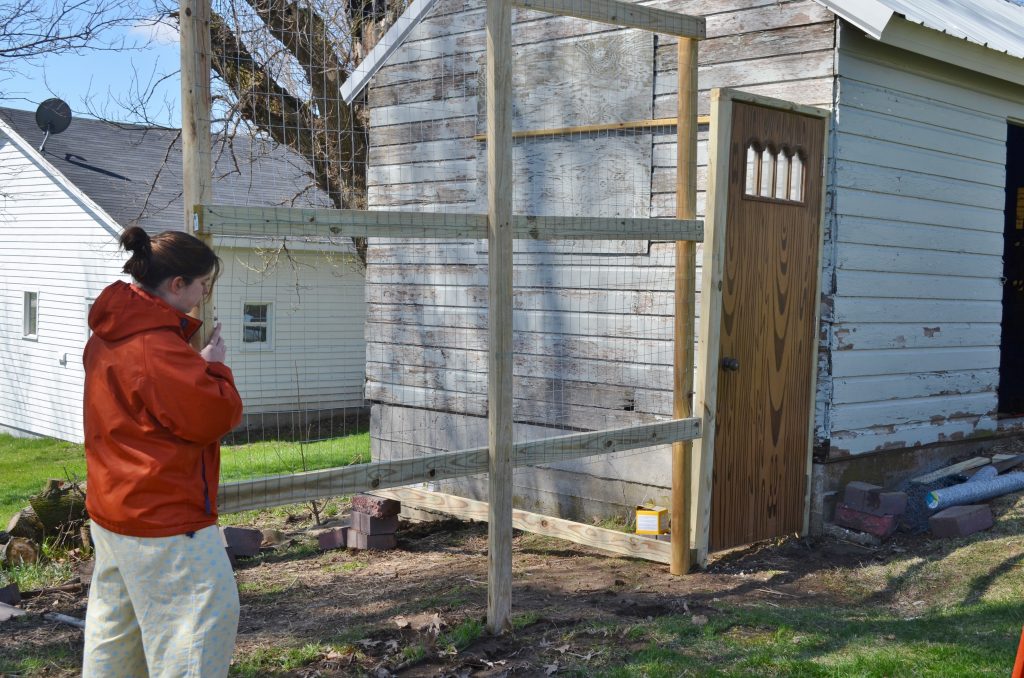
(167, 255)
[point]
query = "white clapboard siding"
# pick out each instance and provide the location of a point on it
(317, 327)
(581, 317)
(57, 244)
(919, 190)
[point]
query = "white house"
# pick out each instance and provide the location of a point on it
(293, 312)
(922, 263)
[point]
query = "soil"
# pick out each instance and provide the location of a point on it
(379, 605)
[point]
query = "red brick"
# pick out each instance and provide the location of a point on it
(859, 495)
(375, 507)
(960, 521)
(880, 526)
(334, 538)
(367, 524)
(242, 541)
(872, 499)
(375, 542)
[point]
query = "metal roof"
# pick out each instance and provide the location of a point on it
(995, 24)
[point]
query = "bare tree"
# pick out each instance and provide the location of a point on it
(280, 65)
(30, 29)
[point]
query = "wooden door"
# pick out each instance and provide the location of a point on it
(768, 336)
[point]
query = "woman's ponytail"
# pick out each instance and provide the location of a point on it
(136, 241)
(167, 255)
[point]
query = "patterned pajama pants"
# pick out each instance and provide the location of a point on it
(160, 607)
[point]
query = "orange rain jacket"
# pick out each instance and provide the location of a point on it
(155, 411)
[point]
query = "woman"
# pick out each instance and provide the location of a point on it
(163, 600)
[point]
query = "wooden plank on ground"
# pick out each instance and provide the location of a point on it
(631, 545)
(622, 14)
(950, 470)
(280, 490)
(292, 222)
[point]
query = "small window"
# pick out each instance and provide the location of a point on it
(774, 175)
(30, 316)
(257, 330)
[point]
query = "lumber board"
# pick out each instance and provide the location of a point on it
(288, 222)
(604, 127)
(947, 471)
(289, 489)
(622, 14)
(621, 543)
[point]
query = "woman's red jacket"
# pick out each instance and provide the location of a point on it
(155, 412)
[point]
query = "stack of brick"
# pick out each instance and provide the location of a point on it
(868, 508)
(374, 523)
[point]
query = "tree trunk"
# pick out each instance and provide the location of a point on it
(26, 524)
(19, 551)
(60, 504)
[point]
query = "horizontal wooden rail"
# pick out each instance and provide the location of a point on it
(622, 14)
(299, 487)
(605, 127)
(621, 543)
(279, 222)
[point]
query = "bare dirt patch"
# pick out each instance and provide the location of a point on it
(419, 610)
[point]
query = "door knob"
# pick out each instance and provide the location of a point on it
(730, 364)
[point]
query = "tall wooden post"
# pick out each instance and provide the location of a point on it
(685, 291)
(194, 23)
(499, 264)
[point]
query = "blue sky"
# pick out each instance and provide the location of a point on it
(104, 77)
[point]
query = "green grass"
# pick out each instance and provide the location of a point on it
(974, 640)
(463, 635)
(26, 464)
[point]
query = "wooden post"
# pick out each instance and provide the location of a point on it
(685, 290)
(194, 24)
(499, 266)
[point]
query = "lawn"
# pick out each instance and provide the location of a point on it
(26, 464)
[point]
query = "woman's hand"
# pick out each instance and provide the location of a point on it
(215, 350)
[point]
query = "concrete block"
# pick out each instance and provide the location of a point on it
(880, 526)
(369, 525)
(9, 612)
(375, 542)
(862, 538)
(960, 521)
(10, 594)
(874, 500)
(375, 507)
(244, 542)
(334, 538)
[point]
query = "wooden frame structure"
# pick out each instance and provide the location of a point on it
(500, 227)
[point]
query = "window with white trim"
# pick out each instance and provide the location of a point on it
(257, 325)
(30, 316)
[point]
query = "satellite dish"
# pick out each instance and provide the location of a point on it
(53, 117)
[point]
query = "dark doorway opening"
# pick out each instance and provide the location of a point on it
(1011, 346)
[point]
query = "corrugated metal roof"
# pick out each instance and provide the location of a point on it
(996, 24)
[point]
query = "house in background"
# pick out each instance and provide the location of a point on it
(921, 299)
(292, 312)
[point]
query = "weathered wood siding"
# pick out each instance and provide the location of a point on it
(593, 332)
(916, 244)
(316, 357)
(56, 244)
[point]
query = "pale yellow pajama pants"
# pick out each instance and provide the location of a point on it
(160, 607)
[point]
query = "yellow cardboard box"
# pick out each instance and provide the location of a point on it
(651, 520)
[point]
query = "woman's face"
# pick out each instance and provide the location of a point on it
(185, 296)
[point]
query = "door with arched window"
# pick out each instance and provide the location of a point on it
(768, 339)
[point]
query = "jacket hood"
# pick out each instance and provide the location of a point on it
(122, 310)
